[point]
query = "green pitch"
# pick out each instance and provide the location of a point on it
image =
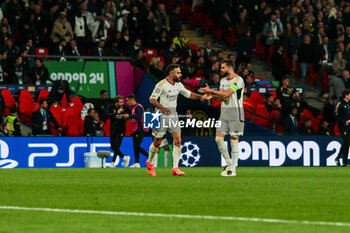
(312, 194)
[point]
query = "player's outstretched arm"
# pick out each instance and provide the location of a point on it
(223, 94)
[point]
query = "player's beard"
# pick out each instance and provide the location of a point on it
(177, 79)
(223, 74)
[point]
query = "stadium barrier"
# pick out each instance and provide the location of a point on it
(68, 152)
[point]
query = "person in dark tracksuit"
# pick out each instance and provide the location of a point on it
(342, 113)
(118, 113)
(137, 128)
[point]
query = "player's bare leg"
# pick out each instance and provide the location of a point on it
(176, 154)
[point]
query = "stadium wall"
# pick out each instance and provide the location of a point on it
(68, 152)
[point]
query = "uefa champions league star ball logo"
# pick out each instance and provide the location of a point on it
(189, 154)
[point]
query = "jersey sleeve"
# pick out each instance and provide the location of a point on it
(156, 92)
(239, 84)
(183, 91)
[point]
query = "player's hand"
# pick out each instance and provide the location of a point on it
(206, 97)
(165, 111)
(126, 116)
(205, 89)
(120, 110)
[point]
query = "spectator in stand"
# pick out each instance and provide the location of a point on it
(187, 68)
(62, 29)
(42, 120)
(134, 21)
(231, 57)
(324, 58)
(170, 52)
(162, 41)
(296, 41)
(90, 127)
(11, 51)
(162, 18)
(305, 129)
(209, 71)
(140, 59)
(279, 67)
(328, 110)
(29, 47)
(88, 17)
(272, 32)
(262, 17)
(209, 51)
(244, 48)
(248, 80)
(155, 68)
(306, 55)
(82, 29)
(324, 129)
(135, 47)
(75, 50)
(189, 52)
(215, 80)
(242, 26)
(284, 91)
(269, 102)
(150, 30)
(59, 88)
(180, 41)
(175, 21)
(15, 124)
(39, 73)
(200, 66)
(336, 84)
(4, 74)
(102, 105)
(100, 27)
(225, 24)
(60, 49)
(339, 64)
(122, 22)
(5, 129)
(99, 50)
(290, 125)
(292, 102)
(19, 73)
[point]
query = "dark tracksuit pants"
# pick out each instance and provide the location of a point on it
(137, 138)
(116, 139)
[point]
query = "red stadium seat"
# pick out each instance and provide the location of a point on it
(25, 94)
(72, 124)
(261, 110)
(215, 103)
(248, 105)
(150, 53)
(43, 94)
(256, 98)
(26, 109)
(57, 112)
(106, 127)
(42, 52)
(10, 102)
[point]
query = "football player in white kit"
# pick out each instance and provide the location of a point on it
(167, 91)
(231, 115)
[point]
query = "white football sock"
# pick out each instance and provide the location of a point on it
(166, 158)
(176, 156)
(234, 152)
(155, 160)
(223, 149)
(151, 153)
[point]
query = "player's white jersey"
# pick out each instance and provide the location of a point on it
(232, 107)
(168, 93)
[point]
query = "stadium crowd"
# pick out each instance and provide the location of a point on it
(299, 39)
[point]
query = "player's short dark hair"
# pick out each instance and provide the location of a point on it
(229, 63)
(171, 67)
(117, 98)
(131, 96)
(346, 92)
(42, 101)
(102, 92)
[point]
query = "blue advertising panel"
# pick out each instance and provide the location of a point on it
(64, 152)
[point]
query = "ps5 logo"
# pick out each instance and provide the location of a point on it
(4, 153)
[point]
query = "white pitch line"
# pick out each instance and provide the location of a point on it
(185, 216)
